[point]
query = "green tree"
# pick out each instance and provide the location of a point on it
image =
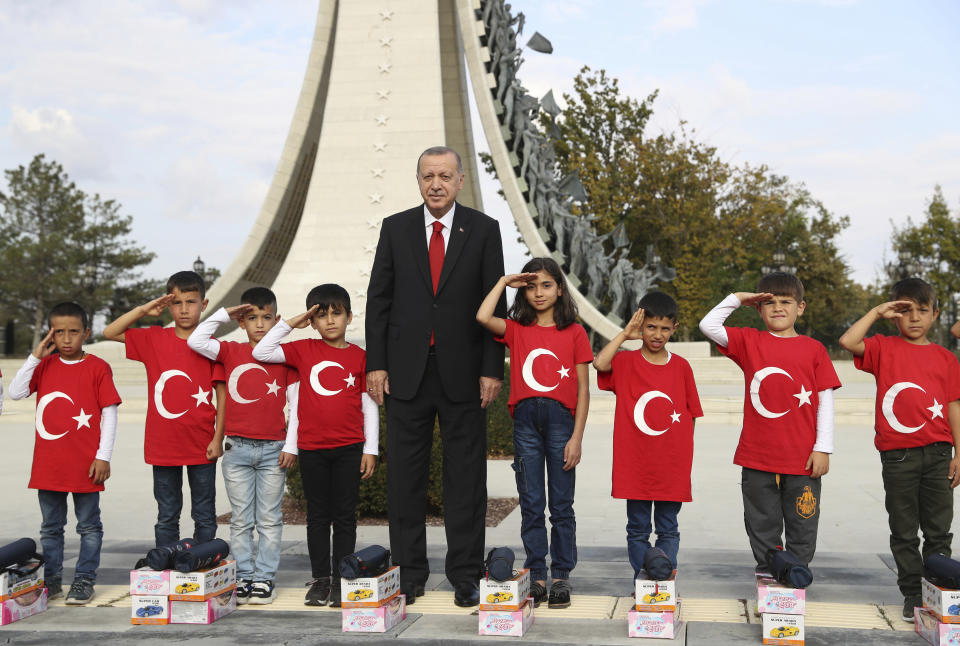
(57, 243)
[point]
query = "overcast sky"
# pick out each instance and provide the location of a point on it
(179, 109)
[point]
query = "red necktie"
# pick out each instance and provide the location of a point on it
(436, 254)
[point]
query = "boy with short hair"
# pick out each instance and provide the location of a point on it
(260, 444)
(657, 404)
(183, 427)
(338, 430)
(76, 424)
(787, 434)
(916, 379)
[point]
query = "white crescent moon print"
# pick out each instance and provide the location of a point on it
(41, 406)
(758, 378)
(527, 372)
(315, 378)
(887, 407)
(158, 392)
(641, 406)
(235, 380)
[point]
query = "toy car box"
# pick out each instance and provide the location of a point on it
(203, 612)
(776, 597)
(505, 595)
(152, 609)
(927, 625)
(150, 581)
(377, 619)
(660, 624)
(655, 596)
(783, 629)
(203, 584)
(943, 602)
(506, 623)
(23, 605)
(13, 584)
(370, 592)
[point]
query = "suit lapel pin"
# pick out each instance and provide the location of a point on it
(461, 229)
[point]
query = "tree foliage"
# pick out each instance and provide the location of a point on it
(57, 243)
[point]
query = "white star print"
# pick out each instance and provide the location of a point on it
(350, 380)
(936, 410)
(201, 396)
(563, 372)
(675, 418)
(273, 388)
(83, 419)
(803, 396)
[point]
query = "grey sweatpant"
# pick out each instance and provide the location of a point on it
(780, 505)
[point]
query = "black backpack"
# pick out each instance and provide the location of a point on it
(499, 564)
(18, 553)
(787, 569)
(942, 571)
(369, 562)
(657, 564)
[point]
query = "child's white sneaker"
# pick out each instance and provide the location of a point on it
(262, 593)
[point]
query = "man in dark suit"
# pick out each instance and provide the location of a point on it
(428, 355)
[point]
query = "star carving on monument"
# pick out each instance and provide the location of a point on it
(385, 41)
(377, 172)
(361, 293)
(380, 147)
(386, 14)
(376, 198)
(381, 119)
(371, 248)
(357, 313)
(383, 95)
(365, 273)
(373, 223)
(384, 68)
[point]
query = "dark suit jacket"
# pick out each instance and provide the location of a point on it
(402, 309)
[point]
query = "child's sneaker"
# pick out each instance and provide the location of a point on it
(909, 603)
(81, 592)
(318, 593)
(262, 593)
(54, 589)
(538, 593)
(243, 591)
(559, 594)
(335, 595)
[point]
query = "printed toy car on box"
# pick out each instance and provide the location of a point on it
(783, 629)
(659, 624)
(149, 581)
(776, 597)
(203, 612)
(13, 584)
(927, 625)
(505, 595)
(507, 623)
(203, 584)
(23, 606)
(943, 602)
(149, 609)
(377, 619)
(655, 596)
(370, 592)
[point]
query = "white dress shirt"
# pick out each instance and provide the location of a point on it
(446, 221)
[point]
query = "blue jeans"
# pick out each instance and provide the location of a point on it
(254, 484)
(541, 429)
(53, 509)
(168, 492)
(638, 530)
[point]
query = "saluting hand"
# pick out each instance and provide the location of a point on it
(301, 321)
(156, 306)
(45, 347)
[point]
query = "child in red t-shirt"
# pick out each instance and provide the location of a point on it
(184, 427)
(657, 404)
(917, 427)
(76, 424)
(787, 435)
(549, 397)
(338, 434)
(260, 443)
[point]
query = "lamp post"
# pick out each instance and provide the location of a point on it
(779, 264)
(199, 266)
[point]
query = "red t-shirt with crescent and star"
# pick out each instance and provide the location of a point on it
(70, 397)
(915, 385)
(783, 377)
(543, 361)
(652, 427)
(332, 381)
(181, 409)
(256, 393)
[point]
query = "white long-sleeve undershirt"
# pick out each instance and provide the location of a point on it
(268, 349)
(201, 339)
(712, 328)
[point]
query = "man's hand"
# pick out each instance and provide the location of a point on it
(571, 454)
(378, 385)
(818, 464)
(750, 299)
(156, 306)
(368, 463)
(301, 321)
(489, 389)
(237, 312)
(286, 460)
(99, 471)
(954, 472)
(214, 450)
(45, 347)
(634, 327)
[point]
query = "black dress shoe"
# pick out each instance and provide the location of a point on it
(412, 591)
(466, 594)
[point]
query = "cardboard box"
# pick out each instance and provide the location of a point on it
(150, 582)
(203, 584)
(370, 592)
(943, 602)
(927, 625)
(203, 612)
(152, 609)
(13, 585)
(505, 595)
(654, 624)
(375, 620)
(783, 629)
(23, 605)
(655, 596)
(776, 597)
(507, 623)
